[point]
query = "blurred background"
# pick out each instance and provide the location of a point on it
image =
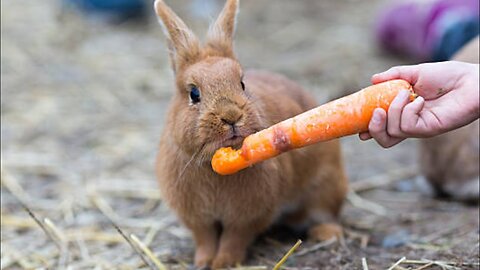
(84, 93)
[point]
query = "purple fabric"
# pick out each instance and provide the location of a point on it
(413, 28)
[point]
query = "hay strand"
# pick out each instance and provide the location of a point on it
(285, 257)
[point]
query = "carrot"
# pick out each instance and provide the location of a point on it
(345, 116)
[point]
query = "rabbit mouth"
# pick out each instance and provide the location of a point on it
(234, 141)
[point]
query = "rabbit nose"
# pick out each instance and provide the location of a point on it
(228, 121)
(231, 117)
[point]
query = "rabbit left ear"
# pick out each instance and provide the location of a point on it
(220, 35)
(183, 44)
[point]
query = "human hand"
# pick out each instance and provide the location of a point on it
(448, 99)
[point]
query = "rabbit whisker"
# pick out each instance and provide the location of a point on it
(190, 160)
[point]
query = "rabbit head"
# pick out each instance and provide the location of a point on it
(211, 105)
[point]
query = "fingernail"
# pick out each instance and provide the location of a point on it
(404, 94)
(419, 100)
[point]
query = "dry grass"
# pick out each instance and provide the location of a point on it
(83, 103)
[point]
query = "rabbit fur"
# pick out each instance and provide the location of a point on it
(217, 104)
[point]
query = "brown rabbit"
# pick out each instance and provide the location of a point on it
(450, 162)
(215, 105)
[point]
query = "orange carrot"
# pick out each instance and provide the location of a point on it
(345, 116)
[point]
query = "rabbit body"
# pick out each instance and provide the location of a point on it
(216, 104)
(450, 163)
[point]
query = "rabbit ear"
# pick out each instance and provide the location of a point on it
(183, 44)
(220, 35)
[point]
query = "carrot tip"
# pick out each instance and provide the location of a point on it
(227, 161)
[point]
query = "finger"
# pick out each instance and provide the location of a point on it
(365, 136)
(395, 113)
(410, 121)
(408, 73)
(378, 129)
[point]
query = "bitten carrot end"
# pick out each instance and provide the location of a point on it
(227, 161)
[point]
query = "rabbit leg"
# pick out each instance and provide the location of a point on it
(325, 199)
(321, 225)
(325, 231)
(234, 242)
(463, 190)
(324, 223)
(206, 242)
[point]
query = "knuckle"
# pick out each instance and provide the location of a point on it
(380, 141)
(378, 132)
(385, 143)
(393, 131)
(394, 70)
(397, 134)
(374, 128)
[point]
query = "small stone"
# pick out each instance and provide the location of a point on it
(396, 239)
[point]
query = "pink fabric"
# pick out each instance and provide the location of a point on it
(415, 27)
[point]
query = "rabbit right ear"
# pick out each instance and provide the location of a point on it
(183, 44)
(220, 35)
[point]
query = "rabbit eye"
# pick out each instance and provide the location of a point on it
(194, 94)
(243, 85)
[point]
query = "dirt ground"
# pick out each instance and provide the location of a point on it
(83, 104)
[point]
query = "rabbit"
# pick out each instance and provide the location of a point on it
(450, 162)
(216, 104)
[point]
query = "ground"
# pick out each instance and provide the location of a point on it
(83, 104)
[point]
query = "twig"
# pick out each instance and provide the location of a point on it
(397, 263)
(11, 183)
(133, 246)
(15, 256)
(384, 179)
(442, 232)
(60, 237)
(87, 235)
(17, 222)
(424, 266)
(250, 268)
(152, 232)
(129, 191)
(108, 211)
(105, 208)
(364, 238)
(429, 247)
(364, 264)
(43, 227)
(424, 261)
(148, 252)
(285, 257)
(54, 230)
(84, 253)
(364, 204)
(317, 247)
